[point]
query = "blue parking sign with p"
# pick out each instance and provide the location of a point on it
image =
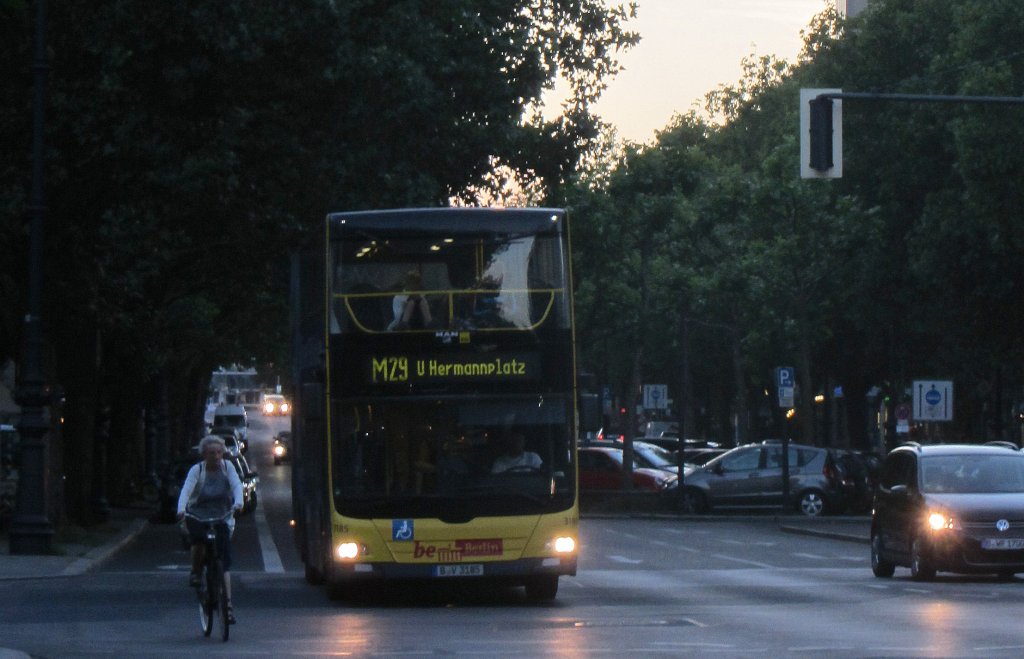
(786, 376)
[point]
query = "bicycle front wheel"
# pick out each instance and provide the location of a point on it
(222, 602)
(206, 605)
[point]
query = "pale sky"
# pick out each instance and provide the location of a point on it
(688, 48)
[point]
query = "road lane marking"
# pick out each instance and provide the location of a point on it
(673, 546)
(741, 560)
(623, 559)
(271, 559)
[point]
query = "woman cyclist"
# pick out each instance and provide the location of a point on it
(212, 489)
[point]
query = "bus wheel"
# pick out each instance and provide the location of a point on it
(338, 591)
(313, 576)
(542, 589)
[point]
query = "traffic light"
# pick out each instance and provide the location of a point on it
(821, 134)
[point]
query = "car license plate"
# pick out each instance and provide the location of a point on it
(1002, 543)
(467, 570)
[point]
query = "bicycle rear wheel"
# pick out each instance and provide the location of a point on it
(205, 604)
(222, 602)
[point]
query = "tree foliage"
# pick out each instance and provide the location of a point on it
(908, 267)
(193, 145)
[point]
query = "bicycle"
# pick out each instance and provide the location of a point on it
(212, 590)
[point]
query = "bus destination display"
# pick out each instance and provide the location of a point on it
(403, 369)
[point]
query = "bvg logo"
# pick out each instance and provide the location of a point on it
(459, 550)
(430, 552)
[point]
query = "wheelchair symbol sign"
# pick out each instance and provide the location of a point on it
(402, 530)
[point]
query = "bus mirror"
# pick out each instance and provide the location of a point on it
(590, 413)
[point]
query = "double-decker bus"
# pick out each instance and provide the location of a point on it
(435, 417)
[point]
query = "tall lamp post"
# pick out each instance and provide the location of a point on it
(31, 530)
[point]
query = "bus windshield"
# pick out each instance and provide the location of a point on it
(452, 459)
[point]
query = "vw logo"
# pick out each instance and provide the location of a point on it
(1002, 525)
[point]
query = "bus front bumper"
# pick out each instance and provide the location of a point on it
(511, 570)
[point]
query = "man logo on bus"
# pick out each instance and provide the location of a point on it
(401, 530)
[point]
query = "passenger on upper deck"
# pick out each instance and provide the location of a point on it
(411, 310)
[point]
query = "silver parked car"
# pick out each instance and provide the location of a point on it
(750, 476)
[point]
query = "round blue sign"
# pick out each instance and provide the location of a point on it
(933, 397)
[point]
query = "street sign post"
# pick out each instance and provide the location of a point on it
(785, 383)
(933, 400)
(655, 396)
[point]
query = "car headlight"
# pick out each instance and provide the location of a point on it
(284, 408)
(279, 450)
(268, 408)
(937, 521)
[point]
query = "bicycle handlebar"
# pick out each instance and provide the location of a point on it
(209, 520)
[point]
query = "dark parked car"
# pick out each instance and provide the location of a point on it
(655, 457)
(750, 476)
(860, 476)
(701, 456)
(951, 508)
(250, 480)
(233, 441)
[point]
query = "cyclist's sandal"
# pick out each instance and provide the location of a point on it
(231, 615)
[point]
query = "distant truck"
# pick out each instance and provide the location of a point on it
(233, 416)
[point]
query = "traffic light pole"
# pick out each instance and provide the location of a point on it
(921, 98)
(824, 123)
(31, 530)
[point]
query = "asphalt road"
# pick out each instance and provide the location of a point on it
(736, 587)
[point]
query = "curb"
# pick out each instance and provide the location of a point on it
(820, 533)
(97, 556)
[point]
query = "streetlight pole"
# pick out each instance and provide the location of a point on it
(31, 530)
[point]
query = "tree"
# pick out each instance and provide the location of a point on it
(193, 145)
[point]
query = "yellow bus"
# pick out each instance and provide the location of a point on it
(435, 417)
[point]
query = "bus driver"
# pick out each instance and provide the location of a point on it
(514, 457)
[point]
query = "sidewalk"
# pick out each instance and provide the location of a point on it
(76, 551)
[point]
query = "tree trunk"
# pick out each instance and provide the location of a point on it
(79, 376)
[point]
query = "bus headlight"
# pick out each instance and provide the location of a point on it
(564, 544)
(348, 550)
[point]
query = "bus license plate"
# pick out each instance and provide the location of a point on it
(468, 570)
(1002, 543)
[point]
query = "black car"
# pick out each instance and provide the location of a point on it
(233, 441)
(250, 481)
(951, 508)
